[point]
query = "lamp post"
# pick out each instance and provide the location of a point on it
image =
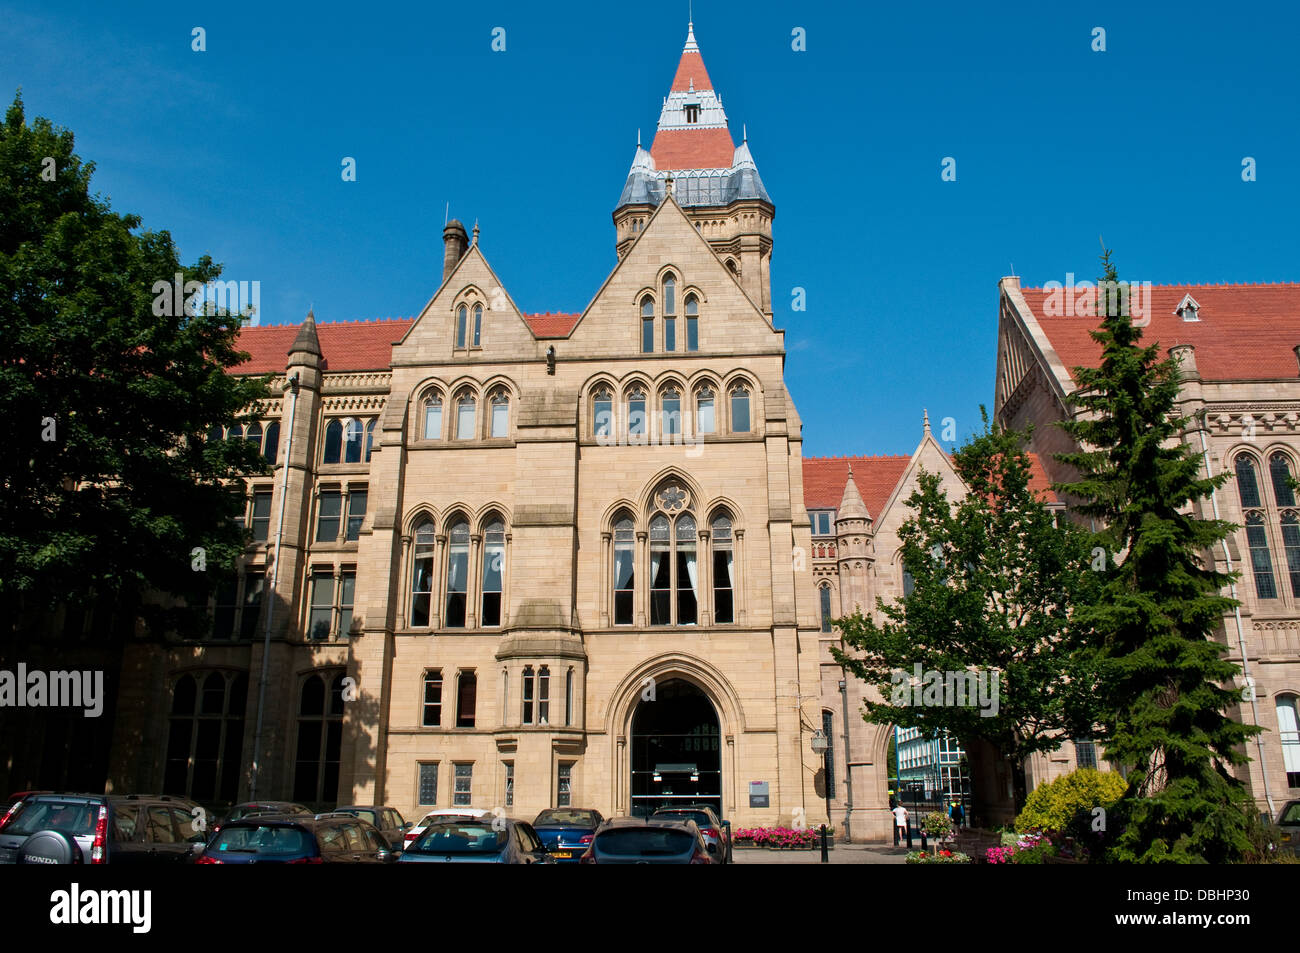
(819, 745)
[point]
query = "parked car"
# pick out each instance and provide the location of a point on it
(1288, 822)
(297, 839)
(240, 811)
(567, 831)
(418, 828)
(717, 835)
(477, 840)
(14, 798)
(100, 829)
(388, 820)
(638, 840)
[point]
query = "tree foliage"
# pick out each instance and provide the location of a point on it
(108, 485)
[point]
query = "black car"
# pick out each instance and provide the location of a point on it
(297, 839)
(101, 829)
(240, 811)
(638, 840)
(717, 834)
(386, 819)
(567, 831)
(1288, 822)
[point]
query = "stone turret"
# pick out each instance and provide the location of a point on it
(854, 548)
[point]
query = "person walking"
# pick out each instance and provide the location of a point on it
(900, 824)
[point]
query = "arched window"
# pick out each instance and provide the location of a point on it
(602, 412)
(647, 325)
(624, 573)
(1261, 562)
(320, 740)
(253, 434)
(457, 574)
(271, 446)
(692, 323)
(1247, 483)
(687, 581)
(465, 417)
(1288, 730)
(671, 410)
(674, 582)
(909, 583)
(422, 574)
(433, 416)
(205, 736)
(370, 437)
(740, 408)
(1290, 525)
(500, 414)
(333, 441)
(724, 609)
(705, 414)
(528, 695)
(494, 572)
(824, 594)
(1280, 470)
(478, 324)
(660, 571)
(636, 423)
(353, 434)
(670, 295)
(461, 318)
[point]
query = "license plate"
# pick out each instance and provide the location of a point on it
(562, 854)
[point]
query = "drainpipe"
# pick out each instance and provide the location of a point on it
(848, 773)
(1241, 638)
(270, 604)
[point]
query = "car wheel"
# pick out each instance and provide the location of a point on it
(50, 847)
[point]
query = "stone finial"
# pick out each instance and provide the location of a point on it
(925, 421)
(306, 341)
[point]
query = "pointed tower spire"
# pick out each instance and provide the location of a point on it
(305, 348)
(852, 506)
(925, 421)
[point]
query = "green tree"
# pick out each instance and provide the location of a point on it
(109, 485)
(995, 578)
(1162, 673)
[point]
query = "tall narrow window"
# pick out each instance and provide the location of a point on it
(672, 412)
(1261, 563)
(271, 446)
(705, 421)
(333, 441)
(356, 512)
(1247, 484)
(422, 575)
(1288, 730)
(692, 323)
(494, 569)
(254, 582)
(670, 295)
(660, 571)
(322, 604)
(624, 575)
(205, 737)
(464, 785)
(1291, 544)
(670, 314)
(433, 417)
(457, 575)
(253, 434)
(330, 513)
(500, 414)
(602, 410)
(510, 783)
(465, 417)
(227, 604)
(670, 332)
(528, 695)
(544, 695)
(320, 740)
(636, 413)
(353, 435)
(1280, 470)
(724, 611)
(647, 325)
(347, 596)
(478, 324)
(824, 593)
(466, 699)
(462, 315)
(568, 697)
(261, 515)
(740, 409)
(687, 578)
(432, 712)
(428, 783)
(564, 787)
(828, 757)
(370, 437)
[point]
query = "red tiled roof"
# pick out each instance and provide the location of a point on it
(691, 67)
(548, 325)
(693, 149)
(346, 345)
(1245, 332)
(824, 479)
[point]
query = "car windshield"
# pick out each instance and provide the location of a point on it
(365, 815)
(699, 817)
(578, 818)
(643, 842)
(247, 838)
(460, 837)
(1292, 814)
(75, 817)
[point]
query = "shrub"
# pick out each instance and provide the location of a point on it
(1070, 800)
(937, 825)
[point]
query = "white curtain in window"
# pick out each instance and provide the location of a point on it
(655, 559)
(1288, 729)
(691, 571)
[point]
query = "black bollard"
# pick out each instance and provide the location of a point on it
(909, 836)
(825, 856)
(924, 845)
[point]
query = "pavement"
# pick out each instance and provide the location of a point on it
(839, 854)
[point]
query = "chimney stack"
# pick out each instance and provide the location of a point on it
(456, 241)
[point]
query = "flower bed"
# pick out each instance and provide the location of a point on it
(780, 838)
(938, 857)
(1035, 847)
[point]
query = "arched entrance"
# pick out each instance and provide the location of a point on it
(676, 750)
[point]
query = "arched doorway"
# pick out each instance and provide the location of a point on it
(676, 750)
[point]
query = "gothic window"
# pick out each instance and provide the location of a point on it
(647, 325)
(544, 695)
(352, 437)
(500, 414)
(636, 413)
(1291, 543)
(457, 574)
(1247, 482)
(462, 316)
(528, 695)
(1261, 562)
(671, 412)
(824, 594)
(602, 408)
(624, 573)
(320, 739)
(692, 323)
(1288, 729)
(1279, 469)
(333, 441)
(674, 583)
(422, 574)
(740, 408)
(705, 414)
(465, 416)
(433, 416)
(494, 569)
(670, 295)
(370, 437)
(253, 434)
(271, 447)
(478, 324)
(205, 736)
(724, 611)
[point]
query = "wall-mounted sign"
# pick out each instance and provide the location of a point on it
(758, 794)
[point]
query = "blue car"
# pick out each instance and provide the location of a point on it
(486, 840)
(567, 831)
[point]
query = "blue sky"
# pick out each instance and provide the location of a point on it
(237, 152)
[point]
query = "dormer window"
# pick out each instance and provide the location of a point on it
(1188, 309)
(692, 112)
